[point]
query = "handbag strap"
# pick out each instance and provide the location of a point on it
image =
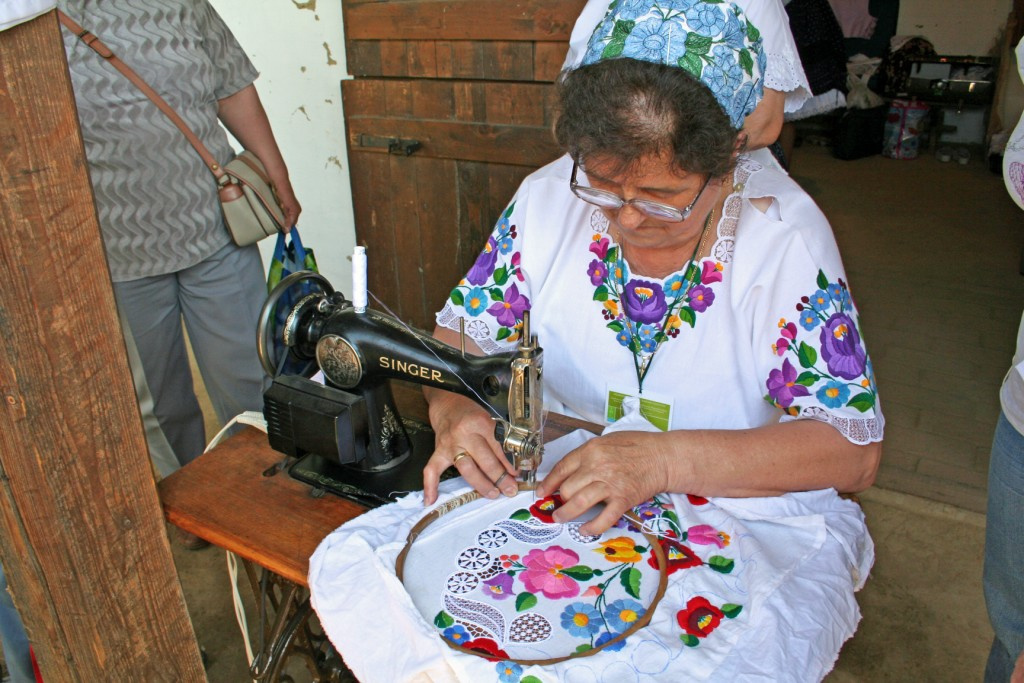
(106, 53)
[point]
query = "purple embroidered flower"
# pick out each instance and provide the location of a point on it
(510, 311)
(841, 348)
(598, 271)
(701, 297)
(644, 301)
(484, 265)
(498, 587)
(782, 386)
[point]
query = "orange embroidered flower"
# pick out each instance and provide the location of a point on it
(621, 549)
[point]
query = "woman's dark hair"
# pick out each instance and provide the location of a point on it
(625, 109)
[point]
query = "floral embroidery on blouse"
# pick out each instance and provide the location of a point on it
(641, 313)
(836, 371)
(603, 591)
(485, 291)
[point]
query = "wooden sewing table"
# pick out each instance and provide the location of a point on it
(228, 497)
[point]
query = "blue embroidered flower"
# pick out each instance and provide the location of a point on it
(647, 332)
(476, 301)
(582, 620)
(706, 19)
(623, 337)
(633, 9)
(819, 301)
(808, 319)
(726, 60)
(654, 40)
(457, 634)
(605, 637)
(833, 394)
(508, 671)
(743, 102)
(836, 292)
(622, 614)
(675, 285)
(735, 32)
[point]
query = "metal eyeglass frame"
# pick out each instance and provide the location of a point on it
(609, 200)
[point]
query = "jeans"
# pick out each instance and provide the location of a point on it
(1003, 578)
(15, 642)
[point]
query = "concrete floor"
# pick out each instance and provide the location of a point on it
(932, 251)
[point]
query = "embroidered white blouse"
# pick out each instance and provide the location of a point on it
(763, 330)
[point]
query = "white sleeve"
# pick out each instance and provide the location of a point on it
(785, 72)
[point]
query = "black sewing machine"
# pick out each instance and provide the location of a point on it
(346, 433)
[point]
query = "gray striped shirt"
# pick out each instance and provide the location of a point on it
(156, 200)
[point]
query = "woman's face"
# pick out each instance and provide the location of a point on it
(654, 179)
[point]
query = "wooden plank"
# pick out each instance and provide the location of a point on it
(518, 145)
(83, 539)
(437, 210)
(527, 20)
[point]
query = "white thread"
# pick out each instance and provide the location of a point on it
(359, 279)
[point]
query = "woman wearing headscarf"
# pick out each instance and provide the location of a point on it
(694, 301)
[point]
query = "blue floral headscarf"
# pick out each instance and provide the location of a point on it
(714, 41)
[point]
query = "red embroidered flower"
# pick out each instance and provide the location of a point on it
(677, 556)
(696, 500)
(487, 647)
(544, 508)
(699, 618)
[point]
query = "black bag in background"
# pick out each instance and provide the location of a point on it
(859, 133)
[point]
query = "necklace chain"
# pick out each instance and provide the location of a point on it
(644, 364)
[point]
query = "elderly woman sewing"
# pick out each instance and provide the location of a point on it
(661, 268)
(657, 262)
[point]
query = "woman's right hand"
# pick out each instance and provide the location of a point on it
(464, 437)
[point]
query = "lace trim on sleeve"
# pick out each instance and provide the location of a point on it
(784, 76)
(477, 330)
(856, 431)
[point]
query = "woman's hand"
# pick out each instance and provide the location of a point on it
(621, 470)
(465, 438)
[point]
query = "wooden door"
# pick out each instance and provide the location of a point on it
(451, 106)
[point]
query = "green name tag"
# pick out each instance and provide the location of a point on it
(658, 413)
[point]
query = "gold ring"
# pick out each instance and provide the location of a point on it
(497, 482)
(459, 456)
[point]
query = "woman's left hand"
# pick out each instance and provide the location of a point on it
(621, 470)
(286, 199)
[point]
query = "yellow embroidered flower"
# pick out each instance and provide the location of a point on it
(674, 322)
(612, 307)
(621, 549)
(782, 323)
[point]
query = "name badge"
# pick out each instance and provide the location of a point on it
(657, 408)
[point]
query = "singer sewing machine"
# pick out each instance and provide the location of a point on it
(346, 433)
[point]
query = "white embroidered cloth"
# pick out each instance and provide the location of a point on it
(759, 587)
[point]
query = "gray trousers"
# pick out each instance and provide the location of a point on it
(219, 301)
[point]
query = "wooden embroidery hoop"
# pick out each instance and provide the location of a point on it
(459, 501)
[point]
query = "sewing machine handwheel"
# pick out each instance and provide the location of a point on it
(278, 336)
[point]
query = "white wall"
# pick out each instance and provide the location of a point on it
(299, 50)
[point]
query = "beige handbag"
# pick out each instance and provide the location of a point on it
(251, 209)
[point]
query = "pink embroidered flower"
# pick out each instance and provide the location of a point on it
(712, 272)
(707, 535)
(516, 259)
(599, 246)
(544, 572)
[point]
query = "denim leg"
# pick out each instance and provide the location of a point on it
(13, 637)
(1003, 578)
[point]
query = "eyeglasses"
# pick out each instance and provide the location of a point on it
(610, 200)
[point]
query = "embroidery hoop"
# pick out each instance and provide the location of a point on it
(469, 497)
